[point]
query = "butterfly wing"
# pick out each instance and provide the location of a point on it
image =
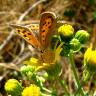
(47, 26)
(26, 33)
(34, 27)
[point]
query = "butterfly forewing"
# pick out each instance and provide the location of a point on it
(47, 26)
(26, 33)
(34, 28)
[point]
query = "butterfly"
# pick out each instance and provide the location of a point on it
(40, 42)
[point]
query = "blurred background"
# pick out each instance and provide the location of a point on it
(81, 14)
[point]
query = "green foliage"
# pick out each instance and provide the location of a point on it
(94, 16)
(54, 72)
(91, 2)
(69, 13)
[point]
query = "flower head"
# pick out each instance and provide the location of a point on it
(13, 87)
(33, 61)
(32, 90)
(90, 59)
(66, 30)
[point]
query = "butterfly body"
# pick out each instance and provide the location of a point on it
(41, 41)
(47, 56)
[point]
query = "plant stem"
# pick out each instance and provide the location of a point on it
(64, 85)
(74, 71)
(45, 89)
(42, 94)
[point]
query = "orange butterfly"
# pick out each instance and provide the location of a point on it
(46, 29)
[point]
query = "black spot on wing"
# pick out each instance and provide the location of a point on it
(33, 26)
(43, 31)
(18, 31)
(44, 22)
(49, 27)
(44, 40)
(48, 22)
(29, 33)
(23, 31)
(24, 35)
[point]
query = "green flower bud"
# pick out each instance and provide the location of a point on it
(13, 87)
(66, 30)
(27, 69)
(82, 36)
(45, 75)
(75, 45)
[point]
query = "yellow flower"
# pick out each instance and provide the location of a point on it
(32, 90)
(33, 61)
(57, 52)
(13, 87)
(66, 30)
(90, 58)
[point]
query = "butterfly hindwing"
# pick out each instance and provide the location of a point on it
(47, 26)
(26, 33)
